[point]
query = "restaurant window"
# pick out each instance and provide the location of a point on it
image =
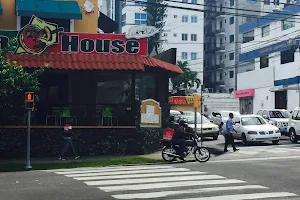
(287, 56)
(114, 89)
(287, 24)
(265, 31)
(264, 62)
(145, 88)
(65, 23)
(249, 36)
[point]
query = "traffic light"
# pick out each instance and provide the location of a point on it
(197, 101)
(29, 100)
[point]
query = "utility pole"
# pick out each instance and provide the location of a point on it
(29, 106)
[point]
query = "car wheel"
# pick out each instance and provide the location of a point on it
(293, 136)
(244, 139)
(275, 141)
(216, 137)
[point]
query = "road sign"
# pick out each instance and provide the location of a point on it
(29, 100)
(197, 101)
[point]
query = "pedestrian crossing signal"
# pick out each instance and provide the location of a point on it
(29, 100)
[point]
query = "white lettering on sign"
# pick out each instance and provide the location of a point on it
(149, 117)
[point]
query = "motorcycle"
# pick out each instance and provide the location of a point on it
(201, 153)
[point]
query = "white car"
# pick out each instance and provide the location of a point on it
(254, 128)
(208, 129)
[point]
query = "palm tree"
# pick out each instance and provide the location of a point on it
(188, 79)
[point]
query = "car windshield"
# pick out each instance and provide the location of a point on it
(279, 114)
(191, 120)
(249, 121)
(226, 113)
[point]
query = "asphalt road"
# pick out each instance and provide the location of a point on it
(255, 172)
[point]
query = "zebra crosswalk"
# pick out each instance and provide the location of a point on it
(169, 183)
(255, 150)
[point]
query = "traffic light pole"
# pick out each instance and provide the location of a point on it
(28, 164)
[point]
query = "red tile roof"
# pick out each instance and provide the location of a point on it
(91, 62)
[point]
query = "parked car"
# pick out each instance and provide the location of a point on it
(277, 117)
(208, 129)
(254, 128)
(294, 125)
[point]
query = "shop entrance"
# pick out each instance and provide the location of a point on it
(281, 100)
(246, 106)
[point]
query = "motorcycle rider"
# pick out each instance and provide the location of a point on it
(179, 138)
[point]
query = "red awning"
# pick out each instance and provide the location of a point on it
(91, 62)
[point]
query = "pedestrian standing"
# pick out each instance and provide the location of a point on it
(68, 134)
(228, 134)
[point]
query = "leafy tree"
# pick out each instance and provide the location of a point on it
(156, 13)
(14, 82)
(187, 80)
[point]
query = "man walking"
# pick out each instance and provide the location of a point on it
(228, 134)
(67, 134)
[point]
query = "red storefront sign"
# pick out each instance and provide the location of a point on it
(244, 93)
(39, 36)
(181, 100)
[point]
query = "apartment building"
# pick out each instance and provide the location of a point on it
(269, 73)
(223, 40)
(183, 29)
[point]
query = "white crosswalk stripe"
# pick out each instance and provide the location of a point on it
(265, 149)
(168, 182)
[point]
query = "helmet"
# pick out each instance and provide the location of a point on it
(182, 123)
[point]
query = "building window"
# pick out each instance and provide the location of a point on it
(193, 37)
(276, 2)
(184, 36)
(124, 19)
(193, 56)
(184, 55)
(252, 1)
(231, 38)
(184, 1)
(194, 2)
(185, 18)
(287, 56)
(264, 62)
(231, 2)
(194, 19)
(231, 74)
(65, 23)
(123, 4)
(231, 56)
(175, 16)
(287, 24)
(140, 3)
(221, 76)
(140, 18)
(231, 20)
(267, 2)
(265, 31)
(249, 36)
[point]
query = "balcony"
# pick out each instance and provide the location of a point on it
(220, 49)
(248, 39)
(220, 31)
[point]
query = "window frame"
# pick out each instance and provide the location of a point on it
(231, 37)
(231, 74)
(140, 19)
(261, 61)
(184, 37)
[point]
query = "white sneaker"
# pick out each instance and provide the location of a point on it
(77, 157)
(60, 158)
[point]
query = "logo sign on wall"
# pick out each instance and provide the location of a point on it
(37, 36)
(141, 31)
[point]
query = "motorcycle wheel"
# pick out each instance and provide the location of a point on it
(202, 154)
(167, 157)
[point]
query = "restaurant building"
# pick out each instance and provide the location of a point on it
(115, 94)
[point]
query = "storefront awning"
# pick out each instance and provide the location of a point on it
(91, 62)
(285, 87)
(49, 9)
(1, 9)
